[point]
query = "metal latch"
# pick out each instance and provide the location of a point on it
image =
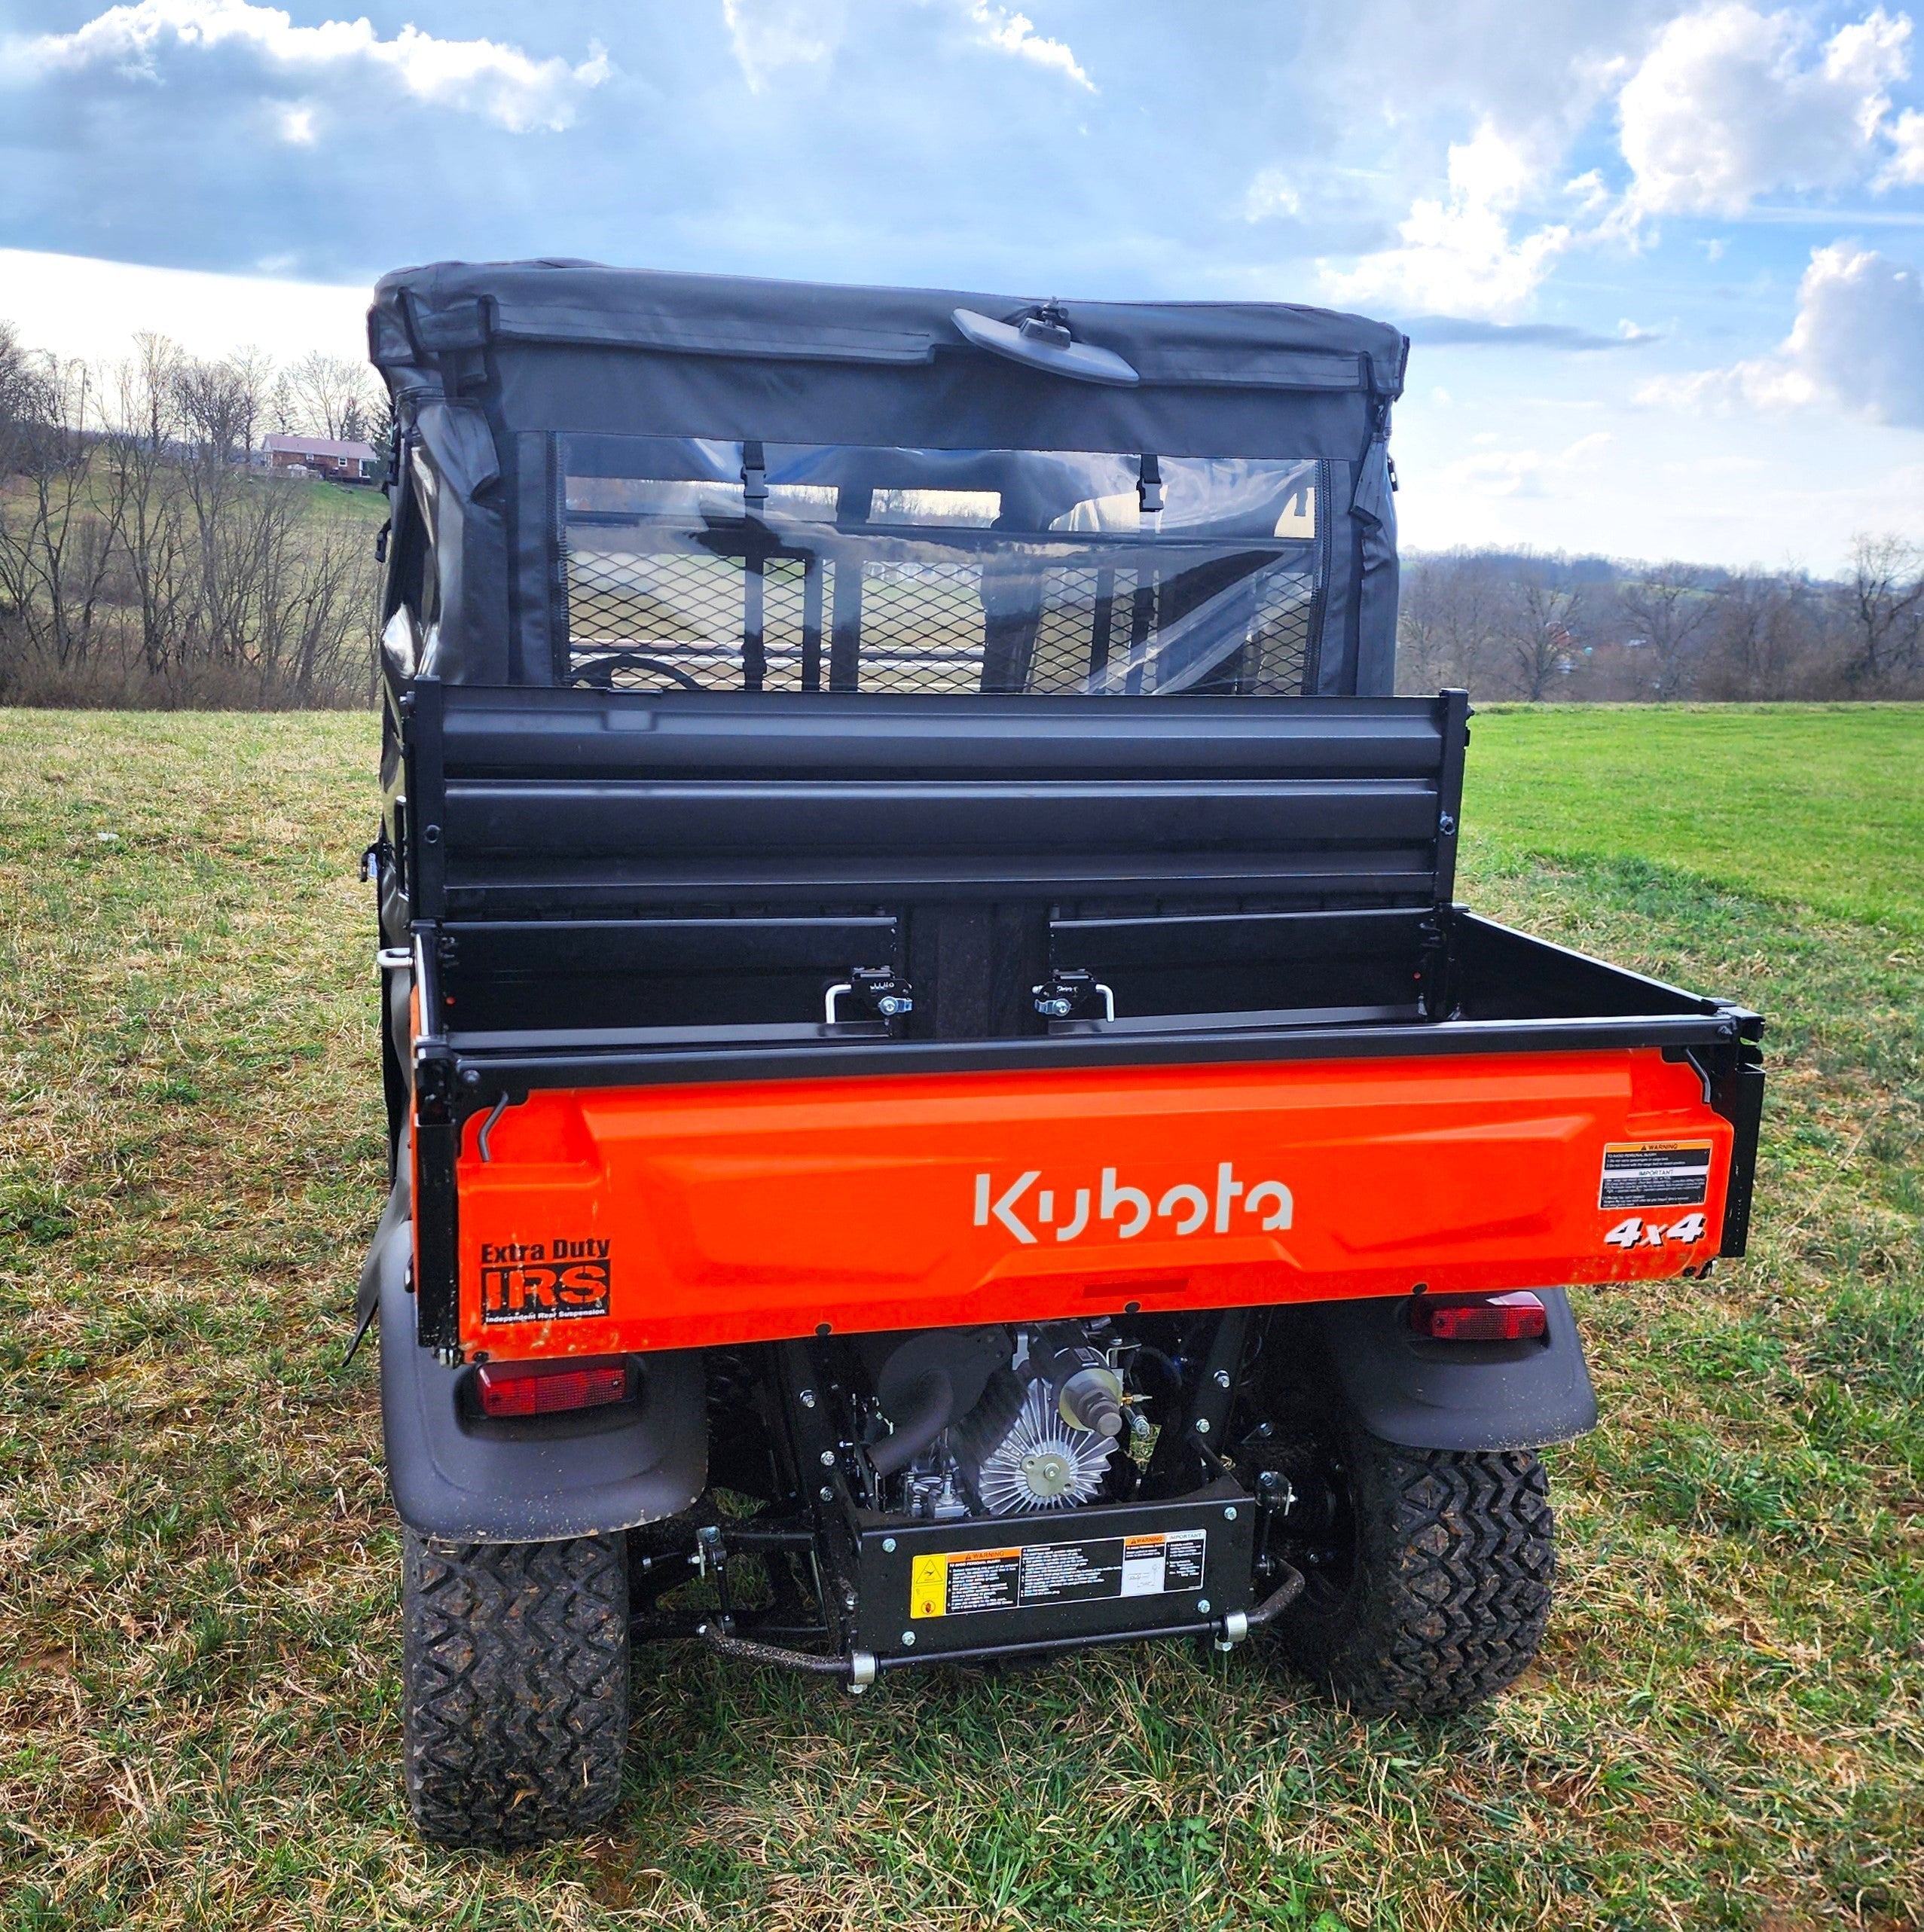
(1072, 995)
(876, 987)
(1049, 324)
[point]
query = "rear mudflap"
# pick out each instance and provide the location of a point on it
(462, 1478)
(1459, 1395)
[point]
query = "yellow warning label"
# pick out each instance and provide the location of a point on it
(1655, 1173)
(928, 1587)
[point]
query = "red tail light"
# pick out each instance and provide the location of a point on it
(536, 1388)
(1516, 1317)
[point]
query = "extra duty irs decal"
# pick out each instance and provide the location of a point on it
(544, 1281)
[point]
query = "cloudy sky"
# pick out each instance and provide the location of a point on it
(1664, 263)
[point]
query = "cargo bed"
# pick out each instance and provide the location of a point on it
(1123, 940)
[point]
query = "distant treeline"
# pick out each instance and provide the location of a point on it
(145, 559)
(1523, 624)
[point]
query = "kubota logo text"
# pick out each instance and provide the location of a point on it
(1186, 1206)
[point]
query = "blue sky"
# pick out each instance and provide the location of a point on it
(1662, 262)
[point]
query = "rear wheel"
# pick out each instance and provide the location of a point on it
(515, 1676)
(1427, 1573)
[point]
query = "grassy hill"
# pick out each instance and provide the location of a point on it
(199, 1705)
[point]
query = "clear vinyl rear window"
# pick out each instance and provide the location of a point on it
(715, 565)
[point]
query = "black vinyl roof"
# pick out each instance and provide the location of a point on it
(570, 345)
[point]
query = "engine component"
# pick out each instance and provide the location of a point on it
(967, 1356)
(922, 1412)
(923, 1385)
(1018, 1454)
(1087, 1390)
(935, 1496)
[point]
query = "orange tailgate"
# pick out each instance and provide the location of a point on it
(667, 1217)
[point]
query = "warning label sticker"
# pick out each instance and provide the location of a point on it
(1655, 1173)
(1056, 1573)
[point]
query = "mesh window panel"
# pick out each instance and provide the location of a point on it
(934, 571)
(648, 620)
(1085, 616)
(1279, 653)
(784, 592)
(653, 621)
(922, 626)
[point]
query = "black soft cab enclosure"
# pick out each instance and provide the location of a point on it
(661, 482)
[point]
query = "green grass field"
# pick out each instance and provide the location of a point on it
(1815, 805)
(199, 1710)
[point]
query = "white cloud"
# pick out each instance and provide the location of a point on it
(486, 78)
(1907, 165)
(1723, 102)
(1501, 473)
(1766, 383)
(1457, 256)
(768, 35)
(1015, 33)
(1858, 345)
(294, 122)
(74, 305)
(1527, 472)
(1270, 193)
(1589, 190)
(1729, 103)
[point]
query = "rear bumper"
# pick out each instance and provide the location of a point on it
(613, 1220)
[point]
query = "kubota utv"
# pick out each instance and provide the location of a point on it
(942, 1106)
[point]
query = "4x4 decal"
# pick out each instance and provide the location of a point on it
(1187, 1206)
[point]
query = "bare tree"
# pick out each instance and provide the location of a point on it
(1672, 609)
(329, 396)
(1884, 595)
(1449, 621)
(1762, 640)
(139, 559)
(256, 379)
(56, 547)
(1538, 626)
(27, 400)
(134, 466)
(219, 404)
